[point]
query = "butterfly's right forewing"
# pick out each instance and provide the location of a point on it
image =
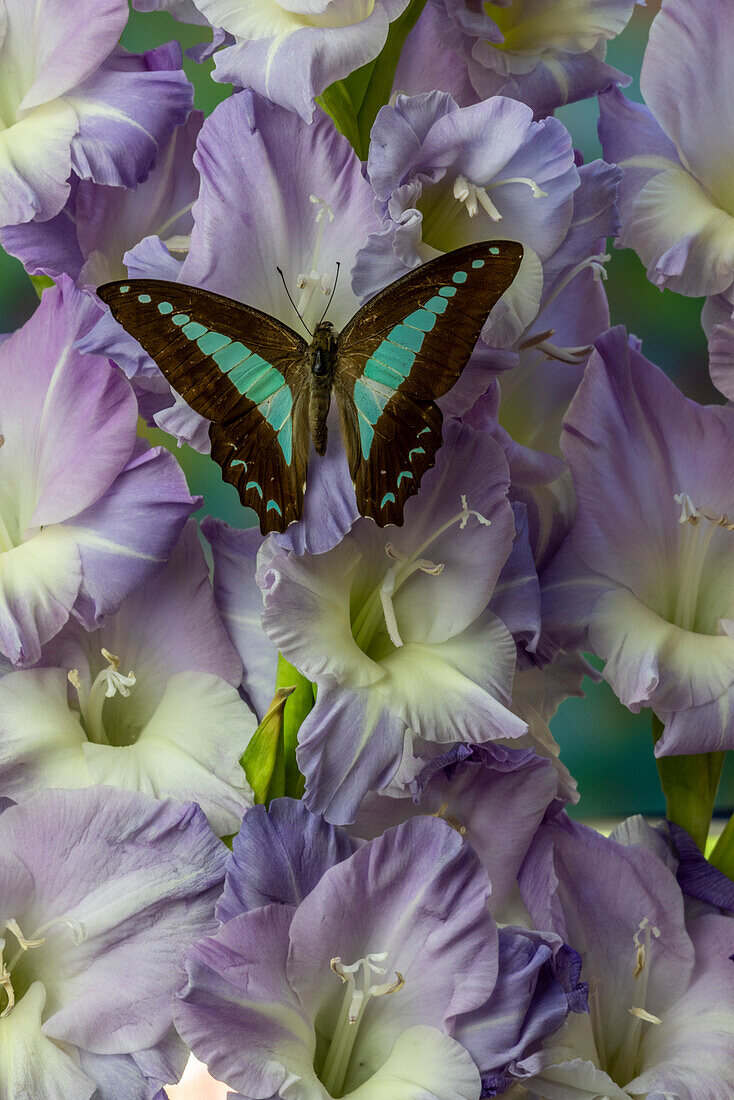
(240, 369)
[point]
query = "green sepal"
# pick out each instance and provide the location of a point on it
(263, 759)
(298, 705)
(40, 283)
(689, 784)
(353, 103)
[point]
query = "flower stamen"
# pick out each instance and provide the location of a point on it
(695, 542)
(6, 969)
(107, 683)
(356, 998)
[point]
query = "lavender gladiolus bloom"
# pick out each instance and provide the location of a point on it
(74, 102)
(391, 625)
(343, 972)
(542, 52)
(291, 51)
(99, 224)
(87, 511)
(661, 994)
(676, 196)
(102, 893)
(645, 578)
(442, 184)
(150, 703)
(273, 189)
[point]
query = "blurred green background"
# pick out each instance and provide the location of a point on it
(605, 747)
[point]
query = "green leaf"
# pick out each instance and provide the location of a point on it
(353, 103)
(689, 784)
(299, 704)
(337, 103)
(722, 854)
(40, 283)
(380, 82)
(263, 759)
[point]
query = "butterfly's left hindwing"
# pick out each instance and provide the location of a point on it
(242, 370)
(404, 349)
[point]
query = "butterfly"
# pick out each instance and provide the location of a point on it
(267, 392)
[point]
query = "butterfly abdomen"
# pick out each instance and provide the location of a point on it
(322, 363)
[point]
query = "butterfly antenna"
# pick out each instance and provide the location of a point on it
(336, 280)
(285, 287)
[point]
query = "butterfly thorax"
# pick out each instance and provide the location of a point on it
(321, 361)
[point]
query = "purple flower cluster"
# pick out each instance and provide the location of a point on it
(293, 803)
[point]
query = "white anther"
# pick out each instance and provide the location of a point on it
(466, 511)
(688, 511)
(473, 197)
(74, 679)
(25, 944)
(691, 514)
(643, 1014)
(114, 678)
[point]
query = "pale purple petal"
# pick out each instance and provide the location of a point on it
(427, 62)
(365, 756)
(70, 41)
(139, 881)
(566, 79)
(48, 246)
(278, 857)
(422, 896)
(239, 1013)
(240, 603)
(692, 101)
(245, 142)
(127, 112)
(516, 597)
(130, 531)
(89, 411)
(98, 225)
(632, 138)
(693, 1054)
(497, 795)
(597, 895)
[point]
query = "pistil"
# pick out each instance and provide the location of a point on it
(357, 995)
(315, 285)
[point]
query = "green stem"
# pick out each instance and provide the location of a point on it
(722, 855)
(689, 784)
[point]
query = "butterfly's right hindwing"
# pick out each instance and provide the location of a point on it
(239, 368)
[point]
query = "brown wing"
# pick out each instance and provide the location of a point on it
(404, 349)
(241, 369)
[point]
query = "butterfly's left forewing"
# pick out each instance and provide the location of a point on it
(404, 349)
(242, 370)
